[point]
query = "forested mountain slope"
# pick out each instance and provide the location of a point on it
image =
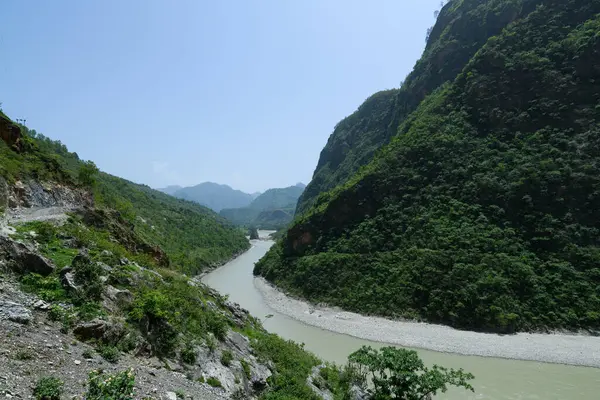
(462, 27)
(484, 211)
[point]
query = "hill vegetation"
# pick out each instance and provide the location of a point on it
(483, 211)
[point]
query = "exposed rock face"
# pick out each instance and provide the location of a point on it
(67, 279)
(23, 260)
(3, 194)
(43, 195)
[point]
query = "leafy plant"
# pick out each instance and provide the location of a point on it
(109, 353)
(246, 368)
(400, 374)
(48, 388)
(119, 386)
(188, 354)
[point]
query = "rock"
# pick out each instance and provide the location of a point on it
(358, 393)
(104, 267)
(11, 134)
(316, 383)
(171, 396)
(77, 362)
(4, 195)
(67, 279)
(90, 330)
(41, 305)
(14, 312)
(23, 259)
(116, 298)
(240, 315)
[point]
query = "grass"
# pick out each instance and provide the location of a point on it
(214, 382)
(226, 358)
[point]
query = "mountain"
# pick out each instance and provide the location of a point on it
(170, 189)
(273, 209)
(214, 196)
(481, 209)
(450, 46)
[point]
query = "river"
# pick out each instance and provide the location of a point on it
(495, 378)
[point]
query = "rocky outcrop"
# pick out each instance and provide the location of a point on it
(90, 330)
(36, 196)
(21, 259)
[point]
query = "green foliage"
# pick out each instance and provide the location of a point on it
(48, 388)
(119, 386)
(400, 374)
(226, 357)
(246, 368)
(481, 212)
(87, 277)
(180, 394)
(253, 233)
(109, 353)
(48, 288)
(214, 382)
(188, 354)
(88, 172)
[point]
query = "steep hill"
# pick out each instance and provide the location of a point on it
(273, 209)
(170, 189)
(215, 196)
(463, 26)
(483, 212)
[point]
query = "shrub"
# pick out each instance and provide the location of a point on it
(48, 388)
(180, 394)
(87, 354)
(109, 353)
(24, 354)
(214, 382)
(400, 374)
(188, 354)
(113, 387)
(226, 358)
(48, 288)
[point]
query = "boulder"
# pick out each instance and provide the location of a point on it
(11, 134)
(22, 259)
(358, 393)
(14, 312)
(67, 279)
(114, 298)
(90, 330)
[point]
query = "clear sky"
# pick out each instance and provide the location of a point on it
(241, 92)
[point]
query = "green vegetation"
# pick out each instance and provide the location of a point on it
(226, 358)
(482, 212)
(24, 355)
(48, 388)
(214, 382)
(246, 368)
(462, 28)
(119, 386)
(109, 353)
(273, 209)
(400, 374)
(180, 394)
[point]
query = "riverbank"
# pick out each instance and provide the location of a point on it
(552, 348)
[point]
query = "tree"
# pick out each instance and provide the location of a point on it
(87, 173)
(400, 374)
(253, 232)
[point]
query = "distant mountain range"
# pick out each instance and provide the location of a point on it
(271, 210)
(234, 202)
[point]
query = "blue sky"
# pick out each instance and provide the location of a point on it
(242, 92)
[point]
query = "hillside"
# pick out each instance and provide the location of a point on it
(92, 291)
(483, 211)
(170, 189)
(273, 209)
(463, 26)
(214, 196)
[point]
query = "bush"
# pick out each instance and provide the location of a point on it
(214, 382)
(24, 354)
(48, 388)
(110, 387)
(188, 354)
(226, 358)
(109, 353)
(400, 374)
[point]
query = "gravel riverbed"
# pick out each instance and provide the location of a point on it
(570, 349)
